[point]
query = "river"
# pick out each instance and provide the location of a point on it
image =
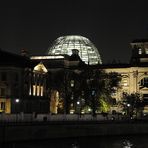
(136, 141)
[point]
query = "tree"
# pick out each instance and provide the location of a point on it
(85, 86)
(106, 84)
(98, 87)
(132, 104)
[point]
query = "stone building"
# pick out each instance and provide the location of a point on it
(12, 68)
(36, 83)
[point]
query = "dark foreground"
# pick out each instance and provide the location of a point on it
(74, 134)
(136, 141)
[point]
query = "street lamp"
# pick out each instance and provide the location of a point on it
(128, 109)
(17, 100)
(128, 105)
(78, 102)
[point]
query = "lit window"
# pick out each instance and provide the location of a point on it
(34, 90)
(146, 50)
(38, 91)
(124, 82)
(71, 104)
(72, 111)
(140, 51)
(30, 91)
(72, 83)
(41, 90)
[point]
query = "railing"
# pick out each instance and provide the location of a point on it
(21, 117)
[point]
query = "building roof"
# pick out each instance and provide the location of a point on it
(140, 41)
(11, 59)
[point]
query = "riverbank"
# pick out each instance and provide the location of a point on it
(24, 131)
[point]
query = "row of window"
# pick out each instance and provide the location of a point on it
(36, 90)
(124, 82)
(140, 51)
(143, 82)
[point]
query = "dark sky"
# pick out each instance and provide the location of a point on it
(110, 24)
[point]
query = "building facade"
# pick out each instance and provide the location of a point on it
(135, 74)
(50, 83)
(12, 68)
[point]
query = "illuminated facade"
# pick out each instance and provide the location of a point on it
(135, 74)
(61, 71)
(87, 51)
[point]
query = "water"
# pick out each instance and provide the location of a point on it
(138, 141)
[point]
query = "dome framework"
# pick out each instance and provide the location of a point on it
(87, 51)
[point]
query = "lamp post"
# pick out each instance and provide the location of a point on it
(79, 103)
(128, 110)
(16, 107)
(93, 95)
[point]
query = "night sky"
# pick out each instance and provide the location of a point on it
(110, 24)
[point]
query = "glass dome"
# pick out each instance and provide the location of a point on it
(87, 51)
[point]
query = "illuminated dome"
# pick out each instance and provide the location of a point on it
(87, 51)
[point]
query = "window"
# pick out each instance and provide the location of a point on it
(124, 82)
(37, 90)
(2, 91)
(146, 50)
(41, 90)
(145, 98)
(72, 83)
(3, 76)
(34, 90)
(2, 105)
(16, 77)
(140, 51)
(144, 82)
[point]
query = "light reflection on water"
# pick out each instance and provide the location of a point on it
(138, 141)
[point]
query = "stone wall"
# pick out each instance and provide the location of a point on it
(58, 129)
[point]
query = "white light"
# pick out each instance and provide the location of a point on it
(78, 102)
(89, 109)
(46, 57)
(17, 100)
(71, 111)
(82, 112)
(128, 105)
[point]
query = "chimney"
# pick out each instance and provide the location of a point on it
(24, 52)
